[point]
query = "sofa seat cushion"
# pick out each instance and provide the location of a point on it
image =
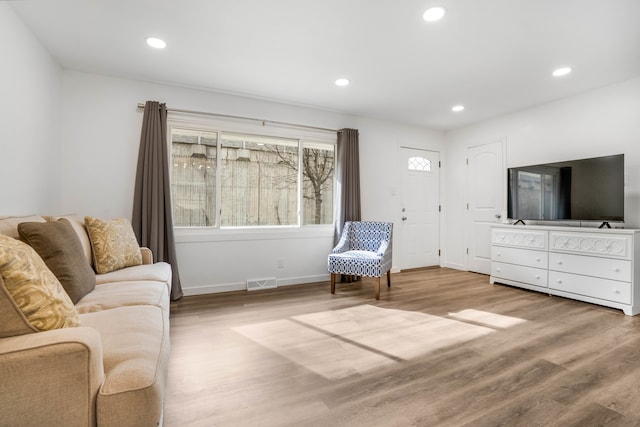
(160, 271)
(135, 342)
(120, 294)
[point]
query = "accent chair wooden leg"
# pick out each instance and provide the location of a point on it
(378, 288)
(333, 283)
(389, 279)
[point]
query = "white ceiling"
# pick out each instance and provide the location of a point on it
(493, 56)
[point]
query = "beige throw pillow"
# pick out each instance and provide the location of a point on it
(59, 247)
(114, 244)
(34, 288)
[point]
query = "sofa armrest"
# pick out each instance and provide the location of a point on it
(147, 255)
(51, 378)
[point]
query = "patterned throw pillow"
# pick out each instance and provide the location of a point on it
(114, 244)
(34, 288)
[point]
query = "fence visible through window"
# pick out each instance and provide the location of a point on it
(263, 180)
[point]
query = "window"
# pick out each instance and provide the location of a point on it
(231, 179)
(419, 164)
(193, 177)
(318, 164)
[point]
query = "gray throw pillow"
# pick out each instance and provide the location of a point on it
(59, 247)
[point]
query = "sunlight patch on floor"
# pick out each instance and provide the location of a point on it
(321, 353)
(399, 333)
(487, 318)
(340, 343)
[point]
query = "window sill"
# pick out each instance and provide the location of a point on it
(199, 234)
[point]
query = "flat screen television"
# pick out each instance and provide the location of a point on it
(576, 190)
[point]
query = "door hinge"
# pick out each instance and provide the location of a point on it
(439, 208)
(467, 159)
(467, 251)
(439, 163)
(438, 252)
(467, 205)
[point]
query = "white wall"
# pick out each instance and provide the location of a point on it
(601, 122)
(30, 96)
(101, 132)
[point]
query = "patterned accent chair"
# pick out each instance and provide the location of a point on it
(364, 249)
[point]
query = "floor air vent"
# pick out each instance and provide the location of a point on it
(254, 285)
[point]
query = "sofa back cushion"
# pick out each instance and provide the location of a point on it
(114, 244)
(59, 247)
(34, 288)
(9, 224)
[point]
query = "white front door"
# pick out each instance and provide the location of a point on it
(485, 195)
(419, 227)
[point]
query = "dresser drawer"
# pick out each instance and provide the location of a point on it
(518, 273)
(526, 257)
(610, 290)
(594, 244)
(518, 238)
(607, 268)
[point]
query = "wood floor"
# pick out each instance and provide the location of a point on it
(440, 348)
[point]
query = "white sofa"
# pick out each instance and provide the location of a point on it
(110, 370)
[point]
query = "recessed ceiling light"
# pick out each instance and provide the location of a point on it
(433, 14)
(342, 82)
(561, 72)
(457, 108)
(156, 42)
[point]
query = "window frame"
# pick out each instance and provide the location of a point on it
(231, 125)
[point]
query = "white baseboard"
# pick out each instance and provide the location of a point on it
(454, 266)
(214, 289)
(242, 286)
(304, 280)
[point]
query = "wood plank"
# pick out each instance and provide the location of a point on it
(240, 359)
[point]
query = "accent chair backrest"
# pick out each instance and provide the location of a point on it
(368, 235)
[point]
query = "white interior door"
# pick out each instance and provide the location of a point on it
(485, 195)
(420, 199)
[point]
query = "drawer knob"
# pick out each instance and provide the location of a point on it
(559, 281)
(559, 262)
(498, 270)
(538, 277)
(538, 259)
(617, 270)
(615, 291)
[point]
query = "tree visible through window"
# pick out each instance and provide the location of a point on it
(253, 180)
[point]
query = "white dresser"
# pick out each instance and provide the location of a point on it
(586, 264)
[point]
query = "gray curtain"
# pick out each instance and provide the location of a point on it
(152, 218)
(347, 179)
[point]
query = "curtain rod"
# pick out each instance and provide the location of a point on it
(263, 121)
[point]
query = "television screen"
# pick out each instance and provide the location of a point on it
(584, 190)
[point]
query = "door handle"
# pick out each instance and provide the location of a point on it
(404, 218)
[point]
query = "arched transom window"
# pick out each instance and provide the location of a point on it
(419, 164)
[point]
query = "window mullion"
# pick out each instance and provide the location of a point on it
(300, 182)
(219, 181)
